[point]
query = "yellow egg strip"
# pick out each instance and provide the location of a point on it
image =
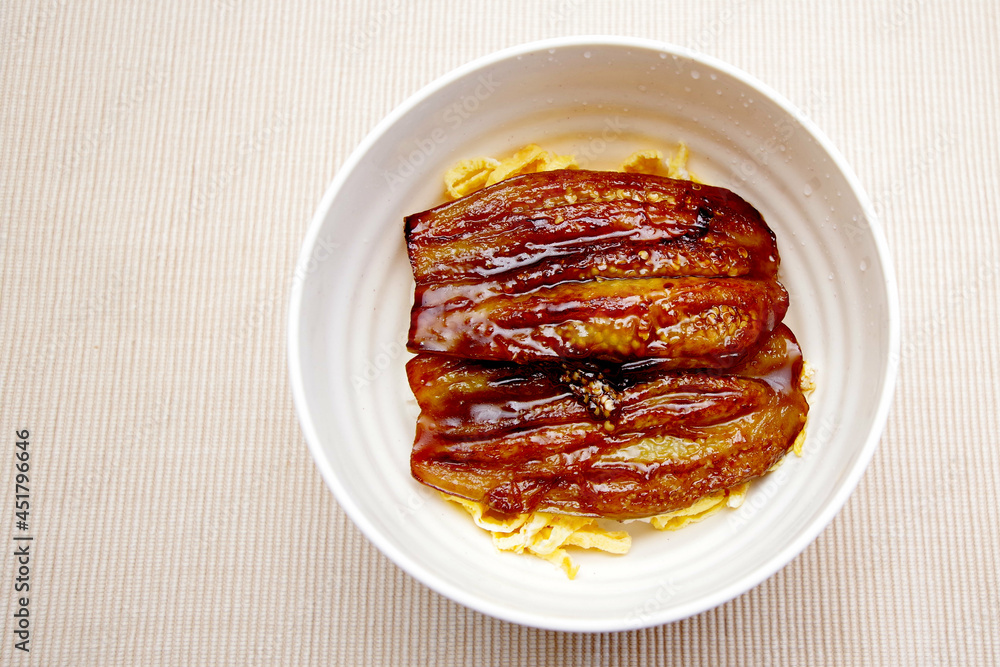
(544, 534)
(643, 162)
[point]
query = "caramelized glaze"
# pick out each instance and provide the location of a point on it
(598, 343)
(604, 265)
(512, 437)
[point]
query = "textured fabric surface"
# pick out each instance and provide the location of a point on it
(160, 163)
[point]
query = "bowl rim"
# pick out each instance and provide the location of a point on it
(768, 568)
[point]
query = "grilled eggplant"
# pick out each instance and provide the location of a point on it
(516, 439)
(602, 265)
(598, 343)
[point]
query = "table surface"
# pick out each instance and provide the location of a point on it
(160, 163)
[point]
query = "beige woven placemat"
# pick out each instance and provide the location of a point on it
(159, 163)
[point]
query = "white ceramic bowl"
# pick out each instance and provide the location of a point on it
(600, 98)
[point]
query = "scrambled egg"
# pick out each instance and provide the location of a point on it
(470, 175)
(545, 534)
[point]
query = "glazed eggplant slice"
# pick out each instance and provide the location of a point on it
(594, 265)
(689, 322)
(577, 224)
(518, 440)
